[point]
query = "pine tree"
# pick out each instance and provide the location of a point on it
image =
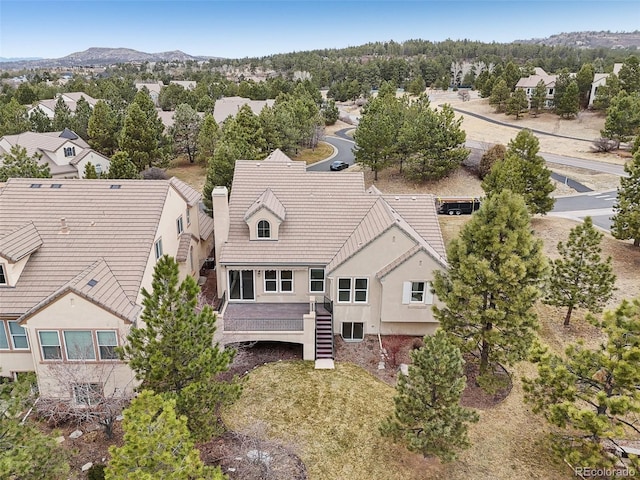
(173, 351)
(185, 130)
(138, 139)
(17, 164)
(580, 278)
(62, 116)
(102, 129)
(80, 120)
(90, 171)
(517, 103)
(157, 444)
(592, 393)
(523, 171)
(13, 118)
(495, 270)
(500, 93)
(623, 117)
(219, 171)
(626, 218)
(121, 167)
(207, 138)
(39, 121)
(428, 417)
(539, 98)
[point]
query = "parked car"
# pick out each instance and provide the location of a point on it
(338, 165)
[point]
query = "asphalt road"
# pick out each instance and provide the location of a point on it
(342, 145)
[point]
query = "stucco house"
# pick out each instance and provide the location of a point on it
(74, 257)
(529, 84)
(229, 106)
(302, 256)
(65, 152)
(600, 79)
(70, 99)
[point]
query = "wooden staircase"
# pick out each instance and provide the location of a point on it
(324, 335)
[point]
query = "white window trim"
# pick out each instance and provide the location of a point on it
(11, 335)
(324, 281)
(157, 248)
(366, 292)
(179, 225)
(5, 329)
(268, 237)
(352, 290)
(188, 215)
(352, 328)
(338, 289)
(115, 332)
(407, 288)
(3, 275)
(44, 359)
(278, 281)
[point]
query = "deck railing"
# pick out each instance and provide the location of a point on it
(328, 305)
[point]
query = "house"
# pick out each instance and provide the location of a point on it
(600, 79)
(71, 99)
(74, 258)
(153, 88)
(229, 106)
(301, 256)
(529, 84)
(65, 152)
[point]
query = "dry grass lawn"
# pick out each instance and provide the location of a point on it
(193, 174)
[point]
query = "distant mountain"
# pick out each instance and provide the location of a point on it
(100, 56)
(590, 40)
(18, 59)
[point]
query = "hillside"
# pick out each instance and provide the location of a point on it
(590, 40)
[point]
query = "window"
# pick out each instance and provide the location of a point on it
(98, 168)
(417, 293)
(18, 336)
(550, 91)
(69, 151)
(87, 393)
(188, 215)
(50, 345)
(281, 278)
(191, 258)
(344, 290)
(158, 248)
(264, 229)
(353, 331)
(3, 276)
(79, 345)
(241, 285)
(107, 343)
(179, 225)
(353, 288)
(316, 280)
(4, 340)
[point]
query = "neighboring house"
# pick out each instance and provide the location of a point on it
(71, 99)
(74, 258)
(529, 84)
(229, 106)
(65, 152)
(154, 89)
(302, 256)
(600, 79)
(186, 84)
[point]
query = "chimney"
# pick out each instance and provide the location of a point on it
(221, 221)
(64, 229)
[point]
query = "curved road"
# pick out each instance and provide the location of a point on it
(598, 205)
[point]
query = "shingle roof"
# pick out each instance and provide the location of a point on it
(269, 201)
(33, 142)
(183, 247)
(327, 214)
(229, 106)
(190, 195)
(20, 242)
(118, 225)
(205, 222)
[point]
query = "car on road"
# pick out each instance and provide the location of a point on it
(338, 165)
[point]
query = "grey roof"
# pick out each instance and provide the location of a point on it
(20, 242)
(328, 215)
(117, 225)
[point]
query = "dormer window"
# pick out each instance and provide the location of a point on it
(69, 151)
(264, 229)
(3, 275)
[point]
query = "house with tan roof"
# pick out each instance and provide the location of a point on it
(229, 106)
(302, 256)
(65, 152)
(529, 84)
(74, 258)
(71, 99)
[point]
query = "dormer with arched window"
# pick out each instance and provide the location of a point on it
(265, 216)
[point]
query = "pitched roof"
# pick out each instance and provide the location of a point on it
(229, 106)
(183, 247)
(205, 222)
(190, 195)
(269, 201)
(118, 225)
(20, 242)
(329, 216)
(532, 80)
(35, 142)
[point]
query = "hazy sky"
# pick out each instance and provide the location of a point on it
(240, 28)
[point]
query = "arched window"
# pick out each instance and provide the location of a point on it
(264, 229)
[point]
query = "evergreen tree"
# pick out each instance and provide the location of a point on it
(495, 270)
(623, 117)
(523, 171)
(330, 112)
(80, 121)
(500, 94)
(173, 351)
(185, 130)
(39, 121)
(121, 167)
(246, 133)
(517, 103)
(138, 139)
(219, 171)
(157, 444)
(584, 80)
(568, 104)
(90, 171)
(25, 94)
(580, 278)
(62, 116)
(102, 129)
(539, 98)
(207, 138)
(629, 74)
(511, 74)
(13, 118)
(377, 132)
(17, 164)
(606, 92)
(25, 452)
(428, 417)
(626, 218)
(592, 393)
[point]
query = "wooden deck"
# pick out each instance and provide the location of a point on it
(266, 317)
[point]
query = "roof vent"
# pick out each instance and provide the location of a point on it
(35, 185)
(92, 283)
(64, 228)
(397, 198)
(413, 198)
(115, 187)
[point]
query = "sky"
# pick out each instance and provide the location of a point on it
(238, 29)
